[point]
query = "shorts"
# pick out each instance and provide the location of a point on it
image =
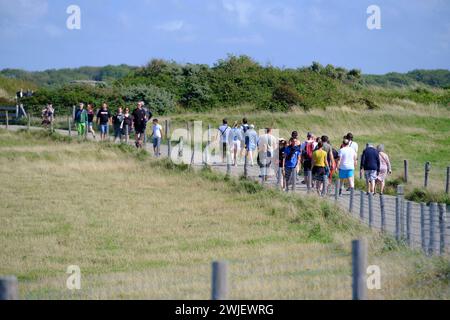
(236, 145)
(307, 166)
(90, 125)
(104, 128)
(156, 142)
(117, 132)
(319, 173)
(139, 129)
(371, 175)
(345, 174)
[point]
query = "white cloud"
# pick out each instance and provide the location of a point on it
(241, 10)
(171, 26)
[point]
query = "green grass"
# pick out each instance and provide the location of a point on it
(140, 228)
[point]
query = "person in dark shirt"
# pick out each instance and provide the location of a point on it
(103, 120)
(140, 124)
(91, 114)
(127, 124)
(291, 161)
(370, 163)
(281, 182)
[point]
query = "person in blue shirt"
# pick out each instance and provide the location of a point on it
(290, 163)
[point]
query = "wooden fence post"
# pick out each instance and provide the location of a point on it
(400, 196)
(9, 288)
(427, 172)
(383, 213)
(422, 226)
(70, 128)
(359, 266)
(433, 207)
(208, 144)
(219, 280)
(408, 222)
(370, 209)
(28, 122)
(447, 183)
(169, 138)
(351, 201)
(336, 189)
(442, 226)
(361, 205)
(406, 171)
(7, 119)
(397, 218)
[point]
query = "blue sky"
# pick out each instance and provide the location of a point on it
(286, 33)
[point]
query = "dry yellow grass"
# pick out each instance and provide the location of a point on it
(138, 230)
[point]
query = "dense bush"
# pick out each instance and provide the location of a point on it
(159, 100)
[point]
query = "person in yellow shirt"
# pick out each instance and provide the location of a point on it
(319, 165)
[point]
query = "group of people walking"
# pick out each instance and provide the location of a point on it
(123, 123)
(315, 158)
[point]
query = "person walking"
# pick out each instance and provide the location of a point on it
(352, 143)
(224, 136)
(244, 128)
(385, 168)
(140, 124)
(236, 140)
(157, 134)
(292, 158)
(328, 148)
(281, 181)
(370, 163)
(81, 119)
(266, 145)
(319, 167)
(104, 120)
(307, 149)
(251, 137)
(346, 164)
(127, 124)
(118, 124)
(90, 123)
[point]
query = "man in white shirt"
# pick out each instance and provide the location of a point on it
(224, 136)
(346, 164)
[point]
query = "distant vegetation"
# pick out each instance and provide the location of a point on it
(172, 87)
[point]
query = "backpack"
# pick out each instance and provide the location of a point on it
(308, 151)
(78, 115)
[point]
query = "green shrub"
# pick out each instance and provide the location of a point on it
(159, 100)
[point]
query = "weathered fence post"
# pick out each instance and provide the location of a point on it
(336, 190)
(405, 177)
(219, 280)
(70, 128)
(351, 201)
(370, 209)
(442, 226)
(447, 183)
(433, 207)
(397, 218)
(361, 205)
(208, 144)
(9, 288)
(169, 139)
(408, 222)
(383, 214)
(180, 147)
(229, 164)
(7, 119)
(28, 122)
(427, 172)
(359, 266)
(400, 196)
(422, 226)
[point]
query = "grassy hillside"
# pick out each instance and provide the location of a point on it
(439, 78)
(145, 229)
